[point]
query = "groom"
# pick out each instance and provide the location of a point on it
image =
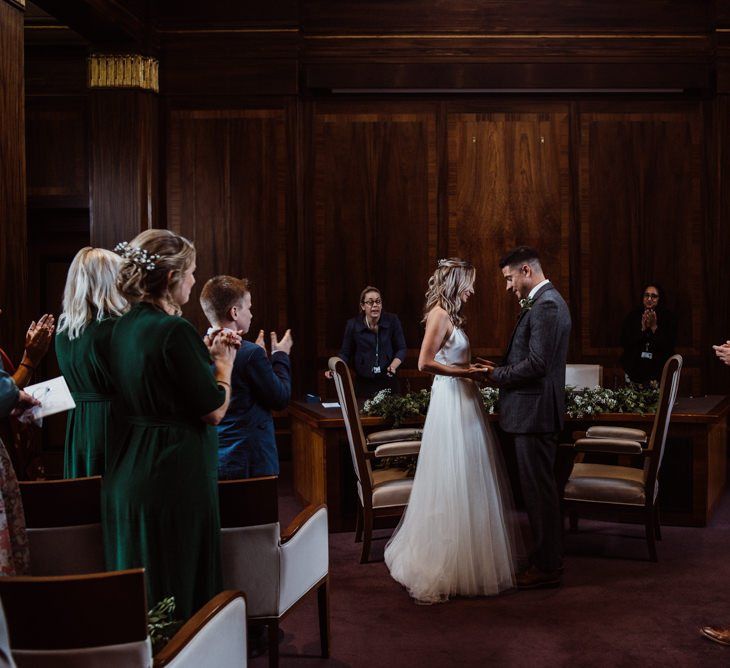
(532, 405)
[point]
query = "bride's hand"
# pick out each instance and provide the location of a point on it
(476, 373)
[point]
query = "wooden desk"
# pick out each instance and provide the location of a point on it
(692, 478)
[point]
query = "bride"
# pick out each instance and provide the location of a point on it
(457, 536)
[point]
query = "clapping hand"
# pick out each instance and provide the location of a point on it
(260, 340)
(38, 338)
(284, 345)
(723, 352)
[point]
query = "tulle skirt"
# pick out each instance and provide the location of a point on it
(458, 536)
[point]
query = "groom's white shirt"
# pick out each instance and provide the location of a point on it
(534, 290)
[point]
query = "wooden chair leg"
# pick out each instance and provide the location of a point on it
(367, 522)
(657, 524)
(273, 627)
(323, 605)
(573, 520)
(358, 525)
(650, 530)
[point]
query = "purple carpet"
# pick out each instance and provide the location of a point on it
(615, 607)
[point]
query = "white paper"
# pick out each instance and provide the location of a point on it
(54, 396)
(331, 404)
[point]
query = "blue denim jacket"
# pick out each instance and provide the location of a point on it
(8, 392)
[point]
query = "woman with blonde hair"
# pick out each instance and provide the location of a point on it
(160, 496)
(457, 536)
(91, 306)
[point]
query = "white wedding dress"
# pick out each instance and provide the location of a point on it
(458, 536)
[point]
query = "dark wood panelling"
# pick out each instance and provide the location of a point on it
(376, 218)
(193, 15)
(13, 252)
(124, 165)
(230, 63)
(57, 152)
(641, 218)
(508, 186)
(227, 191)
(55, 71)
(496, 16)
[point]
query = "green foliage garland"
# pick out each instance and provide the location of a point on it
(578, 403)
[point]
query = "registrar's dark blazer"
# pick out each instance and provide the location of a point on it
(531, 380)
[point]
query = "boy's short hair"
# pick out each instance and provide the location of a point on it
(221, 293)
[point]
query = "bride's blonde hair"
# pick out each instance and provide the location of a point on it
(451, 278)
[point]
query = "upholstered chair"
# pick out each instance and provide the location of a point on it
(382, 493)
(63, 522)
(100, 619)
(275, 569)
(626, 490)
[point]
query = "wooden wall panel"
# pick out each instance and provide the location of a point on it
(13, 251)
(376, 218)
(641, 219)
(508, 186)
(227, 191)
(57, 151)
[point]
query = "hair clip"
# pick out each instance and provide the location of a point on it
(136, 255)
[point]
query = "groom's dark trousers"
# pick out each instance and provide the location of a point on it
(531, 385)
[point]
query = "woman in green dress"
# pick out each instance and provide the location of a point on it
(91, 305)
(160, 494)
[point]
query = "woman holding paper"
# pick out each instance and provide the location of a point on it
(160, 492)
(91, 306)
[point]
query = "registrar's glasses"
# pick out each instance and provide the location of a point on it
(651, 295)
(373, 302)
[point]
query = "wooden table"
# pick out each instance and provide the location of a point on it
(692, 477)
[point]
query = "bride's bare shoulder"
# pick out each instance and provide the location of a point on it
(437, 314)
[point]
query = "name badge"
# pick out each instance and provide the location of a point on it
(646, 356)
(376, 369)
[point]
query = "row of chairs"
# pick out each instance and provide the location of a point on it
(275, 569)
(592, 488)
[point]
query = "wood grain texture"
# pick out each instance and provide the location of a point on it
(13, 251)
(376, 217)
(57, 151)
(641, 219)
(509, 185)
(124, 165)
(227, 184)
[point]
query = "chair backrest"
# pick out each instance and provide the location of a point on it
(250, 536)
(667, 397)
(353, 426)
(584, 376)
(78, 620)
(63, 522)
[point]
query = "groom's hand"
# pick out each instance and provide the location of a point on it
(486, 362)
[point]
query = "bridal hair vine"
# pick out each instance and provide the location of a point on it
(443, 262)
(138, 256)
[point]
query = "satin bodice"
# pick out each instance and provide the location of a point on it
(456, 351)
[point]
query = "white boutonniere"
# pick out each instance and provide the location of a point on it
(526, 304)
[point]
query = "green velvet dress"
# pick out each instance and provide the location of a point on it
(160, 494)
(84, 363)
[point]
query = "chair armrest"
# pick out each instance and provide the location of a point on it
(615, 446)
(398, 449)
(617, 432)
(392, 435)
(299, 521)
(212, 630)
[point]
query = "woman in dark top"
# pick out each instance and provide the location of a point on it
(374, 344)
(648, 337)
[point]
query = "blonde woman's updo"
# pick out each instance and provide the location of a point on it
(451, 278)
(148, 260)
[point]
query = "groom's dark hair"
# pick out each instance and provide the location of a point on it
(520, 255)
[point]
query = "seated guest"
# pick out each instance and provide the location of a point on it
(160, 491)
(375, 345)
(246, 442)
(648, 337)
(91, 306)
(18, 437)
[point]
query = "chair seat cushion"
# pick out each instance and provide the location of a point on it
(617, 432)
(391, 435)
(607, 484)
(391, 487)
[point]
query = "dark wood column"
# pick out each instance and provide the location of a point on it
(13, 253)
(124, 176)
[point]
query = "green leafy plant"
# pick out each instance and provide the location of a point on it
(161, 623)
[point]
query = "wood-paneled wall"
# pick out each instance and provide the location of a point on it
(286, 159)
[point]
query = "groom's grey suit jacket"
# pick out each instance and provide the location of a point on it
(532, 376)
